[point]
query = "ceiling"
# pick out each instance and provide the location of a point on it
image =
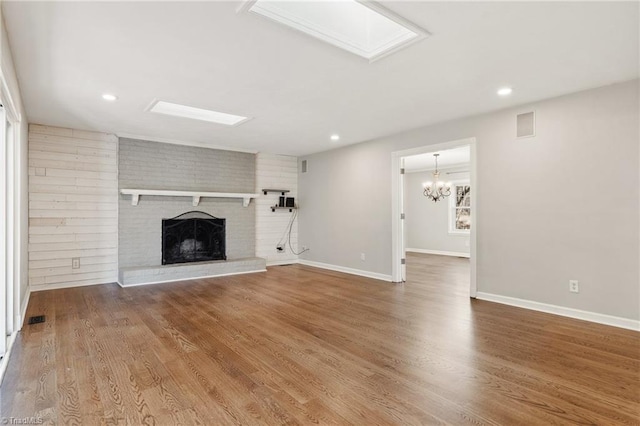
(460, 156)
(299, 90)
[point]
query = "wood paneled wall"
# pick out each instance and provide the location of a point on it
(73, 207)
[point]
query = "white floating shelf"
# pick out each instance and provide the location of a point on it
(195, 195)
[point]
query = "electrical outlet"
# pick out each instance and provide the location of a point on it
(574, 286)
(363, 257)
(75, 263)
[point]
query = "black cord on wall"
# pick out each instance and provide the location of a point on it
(287, 234)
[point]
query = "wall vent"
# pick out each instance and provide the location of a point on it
(526, 125)
(303, 166)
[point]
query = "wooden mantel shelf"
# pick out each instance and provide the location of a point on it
(195, 195)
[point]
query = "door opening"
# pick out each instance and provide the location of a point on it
(459, 207)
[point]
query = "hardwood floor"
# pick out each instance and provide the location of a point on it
(299, 345)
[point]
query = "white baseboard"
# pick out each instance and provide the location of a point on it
(360, 272)
(563, 311)
(439, 252)
(23, 308)
(281, 262)
(191, 278)
(67, 285)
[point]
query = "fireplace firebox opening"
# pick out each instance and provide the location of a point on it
(193, 237)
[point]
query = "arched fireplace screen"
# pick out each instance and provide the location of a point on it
(193, 237)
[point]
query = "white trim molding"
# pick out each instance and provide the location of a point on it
(13, 112)
(352, 271)
(439, 252)
(611, 320)
(282, 262)
(71, 284)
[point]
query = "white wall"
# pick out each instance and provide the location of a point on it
(275, 172)
(427, 222)
(73, 207)
(345, 200)
(21, 255)
(561, 205)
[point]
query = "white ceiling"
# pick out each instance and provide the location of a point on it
(460, 156)
(297, 89)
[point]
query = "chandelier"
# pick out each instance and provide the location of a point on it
(436, 190)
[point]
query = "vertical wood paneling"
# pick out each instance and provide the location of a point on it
(279, 172)
(73, 207)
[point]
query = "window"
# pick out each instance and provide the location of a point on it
(460, 209)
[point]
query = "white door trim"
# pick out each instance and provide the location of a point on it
(12, 288)
(10, 259)
(397, 245)
(14, 193)
(5, 267)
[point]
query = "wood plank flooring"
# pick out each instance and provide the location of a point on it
(299, 345)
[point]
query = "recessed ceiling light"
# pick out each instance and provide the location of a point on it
(335, 137)
(364, 28)
(109, 97)
(505, 91)
(168, 108)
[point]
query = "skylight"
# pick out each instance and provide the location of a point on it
(366, 29)
(168, 108)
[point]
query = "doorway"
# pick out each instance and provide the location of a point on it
(459, 217)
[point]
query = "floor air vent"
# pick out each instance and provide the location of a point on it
(36, 320)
